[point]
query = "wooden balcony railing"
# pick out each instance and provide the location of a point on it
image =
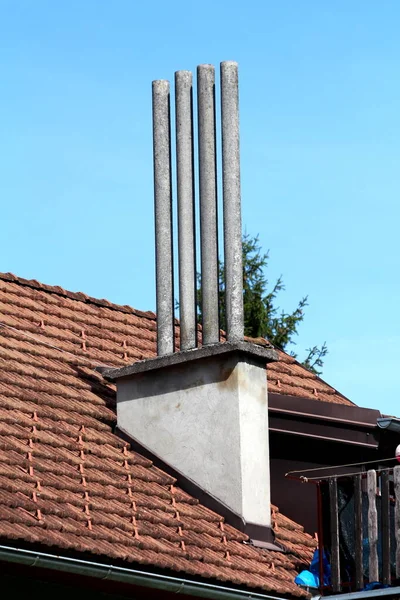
(360, 529)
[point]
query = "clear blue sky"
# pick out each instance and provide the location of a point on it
(320, 132)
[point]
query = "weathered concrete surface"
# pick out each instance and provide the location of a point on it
(163, 216)
(232, 201)
(186, 211)
(208, 202)
(262, 354)
(208, 420)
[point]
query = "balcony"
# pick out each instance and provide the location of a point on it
(359, 530)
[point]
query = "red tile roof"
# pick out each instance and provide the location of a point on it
(121, 334)
(288, 377)
(67, 481)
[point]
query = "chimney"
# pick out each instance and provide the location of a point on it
(202, 410)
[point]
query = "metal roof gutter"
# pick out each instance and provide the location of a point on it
(350, 425)
(389, 423)
(342, 414)
(123, 575)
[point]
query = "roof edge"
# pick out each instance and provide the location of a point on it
(318, 377)
(79, 296)
(33, 558)
(349, 414)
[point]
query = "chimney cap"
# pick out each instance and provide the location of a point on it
(261, 354)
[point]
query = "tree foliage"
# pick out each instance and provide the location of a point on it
(262, 315)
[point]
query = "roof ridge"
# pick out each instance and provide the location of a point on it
(79, 296)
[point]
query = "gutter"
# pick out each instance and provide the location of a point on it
(322, 421)
(389, 423)
(175, 585)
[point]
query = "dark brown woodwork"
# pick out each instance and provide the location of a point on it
(358, 532)
(334, 519)
(396, 478)
(372, 527)
(385, 520)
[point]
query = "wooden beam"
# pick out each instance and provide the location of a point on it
(334, 522)
(396, 477)
(358, 532)
(385, 520)
(372, 527)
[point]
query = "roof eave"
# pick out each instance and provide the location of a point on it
(33, 558)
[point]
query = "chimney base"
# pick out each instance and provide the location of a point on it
(205, 413)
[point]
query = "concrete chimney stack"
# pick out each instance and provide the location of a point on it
(207, 152)
(202, 410)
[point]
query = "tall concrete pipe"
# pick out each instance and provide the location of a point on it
(163, 217)
(207, 154)
(186, 208)
(232, 201)
(208, 202)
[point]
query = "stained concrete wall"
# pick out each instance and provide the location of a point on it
(209, 420)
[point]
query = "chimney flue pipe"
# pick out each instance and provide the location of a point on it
(231, 201)
(208, 202)
(163, 217)
(186, 209)
(207, 177)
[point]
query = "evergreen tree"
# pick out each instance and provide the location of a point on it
(262, 316)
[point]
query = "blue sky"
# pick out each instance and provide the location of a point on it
(320, 142)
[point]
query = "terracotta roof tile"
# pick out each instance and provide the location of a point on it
(68, 482)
